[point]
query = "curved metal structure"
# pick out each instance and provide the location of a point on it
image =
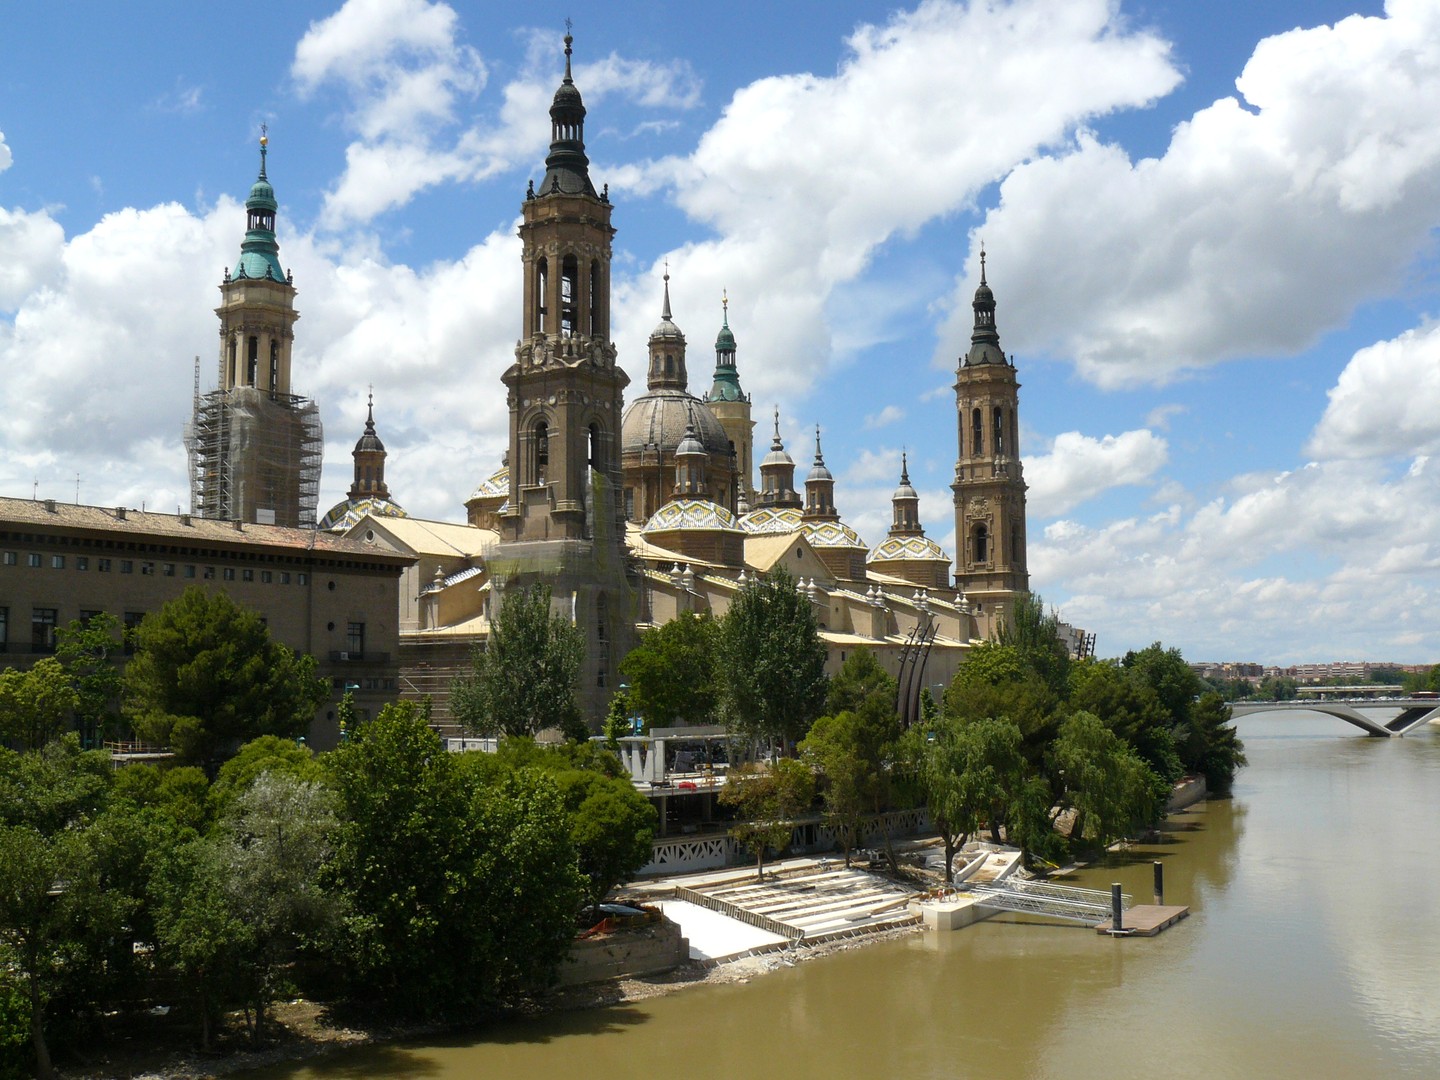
(1413, 713)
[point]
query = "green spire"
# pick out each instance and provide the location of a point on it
(726, 386)
(260, 253)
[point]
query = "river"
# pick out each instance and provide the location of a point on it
(1312, 950)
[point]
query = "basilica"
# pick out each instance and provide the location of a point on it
(637, 513)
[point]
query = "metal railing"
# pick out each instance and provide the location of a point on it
(1090, 906)
(760, 922)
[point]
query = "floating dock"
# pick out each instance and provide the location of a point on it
(1146, 920)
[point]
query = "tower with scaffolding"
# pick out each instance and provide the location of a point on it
(255, 447)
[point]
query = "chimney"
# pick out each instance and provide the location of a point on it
(119, 513)
(50, 505)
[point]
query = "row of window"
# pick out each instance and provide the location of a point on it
(145, 566)
(342, 683)
(44, 621)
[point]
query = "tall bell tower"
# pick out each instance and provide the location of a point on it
(564, 523)
(989, 483)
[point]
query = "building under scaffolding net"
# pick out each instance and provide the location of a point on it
(255, 456)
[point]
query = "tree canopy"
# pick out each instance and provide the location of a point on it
(671, 672)
(772, 661)
(206, 676)
(523, 680)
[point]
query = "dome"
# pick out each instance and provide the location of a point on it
(831, 534)
(666, 330)
(496, 485)
(660, 417)
(690, 444)
(691, 515)
(908, 549)
(262, 196)
(777, 456)
(768, 521)
(344, 516)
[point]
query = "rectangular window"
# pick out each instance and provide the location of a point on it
(11, 558)
(102, 566)
(229, 573)
(4, 627)
(355, 639)
(82, 562)
(247, 575)
(42, 629)
(32, 559)
(266, 577)
(302, 579)
(57, 562)
(190, 570)
(86, 614)
(147, 567)
(127, 566)
(284, 577)
(168, 569)
(209, 574)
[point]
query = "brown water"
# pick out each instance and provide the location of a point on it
(1312, 950)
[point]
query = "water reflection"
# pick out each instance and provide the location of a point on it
(1311, 951)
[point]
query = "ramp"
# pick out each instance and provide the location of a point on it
(1089, 906)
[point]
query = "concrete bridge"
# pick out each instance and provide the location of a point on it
(1367, 713)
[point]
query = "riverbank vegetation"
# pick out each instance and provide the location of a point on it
(389, 877)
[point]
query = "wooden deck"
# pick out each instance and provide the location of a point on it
(1146, 920)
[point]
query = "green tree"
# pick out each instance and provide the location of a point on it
(277, 835)
(612, 827)
(1035, 635)
(1211, 746)
(1105, 782)
(862, 685)
(267, 754)
(87, 650)
(671, 672)
(36, 704)
(201, 934)
(1129, 705)
(772, 661)
(55, 788)
(766, 801)
(206, 677)
(34, 918)
(523, 681)
(461, 881)
(852, 752)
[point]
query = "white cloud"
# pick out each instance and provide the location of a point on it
(1080, 467)
(1159, 417)
(1386, 401)
(5, 155)
(1331, 559)
(888, 415)
(32, 244)
(804, 176)
(1266, 221)
(405, 75)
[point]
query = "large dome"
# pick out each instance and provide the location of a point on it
(659, 419)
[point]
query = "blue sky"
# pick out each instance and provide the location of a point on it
(1210, 231)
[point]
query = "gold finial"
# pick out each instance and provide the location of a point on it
(264, 134)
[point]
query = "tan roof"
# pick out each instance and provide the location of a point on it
(41, 514)
(444, 538)
(763, 552)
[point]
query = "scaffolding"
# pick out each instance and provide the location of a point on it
(255, 457)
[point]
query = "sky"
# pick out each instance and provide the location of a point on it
(1210, 230)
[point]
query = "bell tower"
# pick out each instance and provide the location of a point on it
(564, 525)
(989, 483)
(256, 446)
(565, 390)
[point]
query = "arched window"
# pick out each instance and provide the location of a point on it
(999, 431)
(274, 367)
(569, 296)
(669, 364)
(596, 330)
(542, 291)
(1016, 558)
(592, 451)
(540, 443)
(977, 432)
(982, 543)
(233, 366)
(1014, 437)
(252, 360)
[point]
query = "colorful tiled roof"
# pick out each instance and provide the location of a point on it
(905, 548)
(691, 514)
